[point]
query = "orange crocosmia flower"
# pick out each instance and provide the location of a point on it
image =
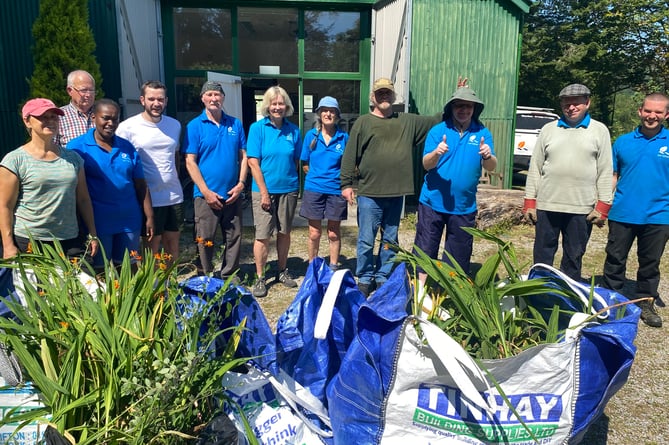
(452, 274)
(29, 249)
(74, 261)
(138, 257)
(157, 256)
(64, 324)
(199, 240)
(167, 256)
(162, 266)
(41, 293)
(208, 243)
(133, 253)
(116, 285)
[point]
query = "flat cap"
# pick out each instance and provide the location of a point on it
(575, 89)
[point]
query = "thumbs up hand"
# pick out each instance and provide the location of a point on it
(484, 150)
(442, 147)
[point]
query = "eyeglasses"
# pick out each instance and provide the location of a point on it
(83, 91)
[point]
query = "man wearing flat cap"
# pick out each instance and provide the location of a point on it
(379, 154)
(569, 182)
(215, 148)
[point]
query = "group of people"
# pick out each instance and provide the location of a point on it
(84, 172)
(577, 180)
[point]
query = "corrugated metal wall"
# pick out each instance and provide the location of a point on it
(477, 39)
(16, 64)
(16, 59)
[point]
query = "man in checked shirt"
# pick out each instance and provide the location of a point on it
(77, 119)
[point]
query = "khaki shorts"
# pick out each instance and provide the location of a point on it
(279, 217)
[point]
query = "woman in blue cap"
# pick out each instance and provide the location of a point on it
(321, 161)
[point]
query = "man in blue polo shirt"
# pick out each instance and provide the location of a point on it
(215, 148)
(641, 205)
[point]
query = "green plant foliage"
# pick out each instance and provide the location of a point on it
(126, 364)
(63, 43)
(486, 315)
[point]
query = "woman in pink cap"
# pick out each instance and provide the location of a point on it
(42, 187)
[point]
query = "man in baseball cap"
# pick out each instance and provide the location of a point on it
(379, 155)
(569, 182)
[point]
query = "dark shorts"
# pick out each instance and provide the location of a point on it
(164, 220)
(323, 206)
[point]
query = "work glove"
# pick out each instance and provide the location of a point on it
(530, 210)
(599, 214)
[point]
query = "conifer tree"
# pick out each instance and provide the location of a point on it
(63, 43)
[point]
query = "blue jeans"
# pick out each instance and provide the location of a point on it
(375, 214)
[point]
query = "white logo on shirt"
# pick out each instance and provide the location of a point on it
(663, 151)
(231, 132)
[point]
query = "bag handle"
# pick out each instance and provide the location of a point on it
(296, 395)
(459, 364)
(324, 316)
(579, 289)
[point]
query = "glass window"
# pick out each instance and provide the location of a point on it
(267, 38)
(332, 41)
(203, 38)
(188, 101)
(347, 93)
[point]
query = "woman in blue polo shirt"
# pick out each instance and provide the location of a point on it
(116, 184)
(321, 161)
(273, 150)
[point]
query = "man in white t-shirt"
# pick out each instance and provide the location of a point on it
(156, 138)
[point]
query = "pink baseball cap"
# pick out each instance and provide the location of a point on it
(39, 106)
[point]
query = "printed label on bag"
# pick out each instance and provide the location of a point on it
(444, 409)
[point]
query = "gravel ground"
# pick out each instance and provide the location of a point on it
(635, 415)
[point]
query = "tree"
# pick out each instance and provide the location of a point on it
(63, 43)
(610, 46)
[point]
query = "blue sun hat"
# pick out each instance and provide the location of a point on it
(328, 102)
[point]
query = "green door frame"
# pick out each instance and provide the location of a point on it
(364, 65)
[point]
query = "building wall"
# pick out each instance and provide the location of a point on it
(479, 40)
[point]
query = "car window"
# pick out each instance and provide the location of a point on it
(532, 121)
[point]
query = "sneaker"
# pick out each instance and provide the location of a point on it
(649, 315)
(259, 288)
(286, 279)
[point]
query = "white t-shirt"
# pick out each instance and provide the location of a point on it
(157, 145)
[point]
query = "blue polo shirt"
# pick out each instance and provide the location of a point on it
(324, 161)
(278, 152)
(451, 186)
(642, 190)
(110, 177)
(217, 150)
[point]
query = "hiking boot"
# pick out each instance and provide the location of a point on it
(234, 279)
(366, 288)
(649, 315)
(659, 302)
(259, 288)
(286, 279)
